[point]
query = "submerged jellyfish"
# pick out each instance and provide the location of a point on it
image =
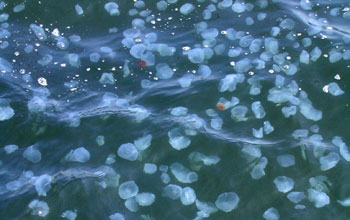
(148, 84)
(142, 63)
(221, 106)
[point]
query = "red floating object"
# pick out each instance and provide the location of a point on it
(221, 106)
(142, 63)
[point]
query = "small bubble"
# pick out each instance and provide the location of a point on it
(42, 81)
(325, 89)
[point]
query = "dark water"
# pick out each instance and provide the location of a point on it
(65, 105)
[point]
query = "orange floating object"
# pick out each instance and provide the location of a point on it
(221, 106)
(142, 63)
